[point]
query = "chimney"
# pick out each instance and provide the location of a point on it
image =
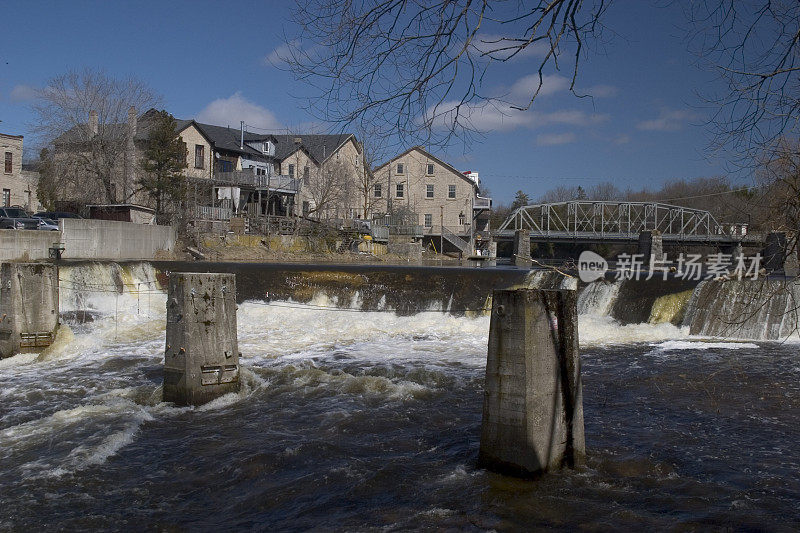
(132, 120)
(298, 140)
(93, 123)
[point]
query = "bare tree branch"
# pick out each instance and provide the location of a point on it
(414, 71)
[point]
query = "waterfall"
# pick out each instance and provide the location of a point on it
(89, 289)
(749, 309)
(598, 297)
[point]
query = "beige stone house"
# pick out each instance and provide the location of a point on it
(232, 170)
(335, 181)
(437, 195)
(17, 185)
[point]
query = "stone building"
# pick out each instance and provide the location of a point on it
(17, 184)
(229, 170)
(334, 177)
(440, 198)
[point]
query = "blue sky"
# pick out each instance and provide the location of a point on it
(208, 61)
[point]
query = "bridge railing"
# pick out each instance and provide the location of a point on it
(616, 220)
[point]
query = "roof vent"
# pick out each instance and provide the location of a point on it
(298, 140)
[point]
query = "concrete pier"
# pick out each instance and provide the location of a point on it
(522, 248)
(201, 359)
(533, 404)
(651, 244)
(28, 307)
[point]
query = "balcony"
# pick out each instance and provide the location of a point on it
(248, 178)
(482, 203)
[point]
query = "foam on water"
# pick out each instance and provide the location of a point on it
(81, 401)
(702, 345)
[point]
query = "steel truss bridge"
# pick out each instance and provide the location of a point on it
(586, 221)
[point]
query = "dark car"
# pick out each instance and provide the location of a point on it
(55, 215)
(17, 218)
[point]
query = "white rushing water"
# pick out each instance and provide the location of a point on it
(85, 397)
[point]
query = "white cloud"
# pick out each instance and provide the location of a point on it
(571, 117)
(229, 111)
(524, 88)
(668, 120)
(621, 139)
(554, 139)
(282, 53)
(22, 93)
(500, 116)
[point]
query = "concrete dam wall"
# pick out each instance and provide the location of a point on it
(762, 309)
(103, 240)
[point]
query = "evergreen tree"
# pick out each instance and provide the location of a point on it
(162, 164)
(520, 199)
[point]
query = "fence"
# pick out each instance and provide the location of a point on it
(248, 177)
(205, 212)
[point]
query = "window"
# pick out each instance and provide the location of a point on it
(225, 165)
(451, 191)
(199, 156)
(9, 163)
(461, 218)
(305, 176)
(291, 170)
(377, 190)
(6, 197)
(430, 169)
(400, 190)
(429, 191)
(428, 220)
(399, 168)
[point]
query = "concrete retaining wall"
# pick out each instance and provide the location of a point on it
(26, 245)
(112, 240)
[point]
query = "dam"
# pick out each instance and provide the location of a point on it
(360, 407)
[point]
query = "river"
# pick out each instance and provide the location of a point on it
(352, 420)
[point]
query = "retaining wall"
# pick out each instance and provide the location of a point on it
(112, 240)
(26, 245)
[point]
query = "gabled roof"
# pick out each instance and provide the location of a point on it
(319, 147)
(229, 139)
(429, 156)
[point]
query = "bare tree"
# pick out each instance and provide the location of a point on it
(778, 197)
(366, 179)
(755, 49)
(330, 189)
(404, 67)
(91, 156)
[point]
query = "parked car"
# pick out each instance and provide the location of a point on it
(55, 215)
(47, 224)
(17, 218)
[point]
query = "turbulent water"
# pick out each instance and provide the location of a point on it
(369, 420)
